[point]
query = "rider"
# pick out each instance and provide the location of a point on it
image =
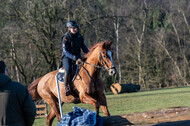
(73, 42)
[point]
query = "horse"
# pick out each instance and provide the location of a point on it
(88, 84)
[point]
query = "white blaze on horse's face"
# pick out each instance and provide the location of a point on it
(111, 71)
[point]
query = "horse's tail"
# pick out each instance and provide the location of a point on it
(33, 89)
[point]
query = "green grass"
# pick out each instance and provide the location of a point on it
(135, 102)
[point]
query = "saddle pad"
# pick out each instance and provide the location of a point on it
(61, 73)
(62, 70)
(60, 76)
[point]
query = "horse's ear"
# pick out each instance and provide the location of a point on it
(107, 45)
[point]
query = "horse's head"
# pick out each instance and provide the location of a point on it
(105, 58)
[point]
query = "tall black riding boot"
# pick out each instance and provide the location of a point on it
(67, 80)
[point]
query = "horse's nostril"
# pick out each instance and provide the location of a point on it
(112, 72)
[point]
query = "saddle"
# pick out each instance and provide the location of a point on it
(61, 73)
(60, 77)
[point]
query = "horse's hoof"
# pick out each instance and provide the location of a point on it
(76, 101)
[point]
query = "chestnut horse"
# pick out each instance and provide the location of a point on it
(88, 83)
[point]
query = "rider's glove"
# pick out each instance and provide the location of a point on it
(79, 62)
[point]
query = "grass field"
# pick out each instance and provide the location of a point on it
(135, 102)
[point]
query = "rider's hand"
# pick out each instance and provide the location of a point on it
(79, 62)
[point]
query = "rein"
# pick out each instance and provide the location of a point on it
(96, 66)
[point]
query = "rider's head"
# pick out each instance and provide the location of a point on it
(3, 68)
(72, 26)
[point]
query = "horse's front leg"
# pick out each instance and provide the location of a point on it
(85, 98)
(103, 103)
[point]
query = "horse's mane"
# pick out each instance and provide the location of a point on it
(92, 49)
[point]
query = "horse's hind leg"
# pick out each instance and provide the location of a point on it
(50, 117)
(53, 102)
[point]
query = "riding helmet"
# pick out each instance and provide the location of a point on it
(72, 24)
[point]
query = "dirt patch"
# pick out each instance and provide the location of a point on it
(175, 116)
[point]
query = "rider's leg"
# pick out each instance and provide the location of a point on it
(67, 63)
(67, 81)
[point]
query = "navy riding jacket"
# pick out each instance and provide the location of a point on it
(72, 45)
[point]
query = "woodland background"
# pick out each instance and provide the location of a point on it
(151, 38)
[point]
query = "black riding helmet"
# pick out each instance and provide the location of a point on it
(72, 24)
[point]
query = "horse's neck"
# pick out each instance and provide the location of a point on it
(92, 70)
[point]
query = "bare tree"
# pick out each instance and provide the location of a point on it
(161, 41)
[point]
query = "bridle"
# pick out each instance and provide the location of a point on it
(101, 58)
(102, 64)
(97, 66)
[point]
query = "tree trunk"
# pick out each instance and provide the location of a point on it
(13, 54)
(116, 26)
(139, 40)
(183, 55)
(185, 19)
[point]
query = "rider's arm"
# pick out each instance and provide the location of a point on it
(65, 50)
(84, 47)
